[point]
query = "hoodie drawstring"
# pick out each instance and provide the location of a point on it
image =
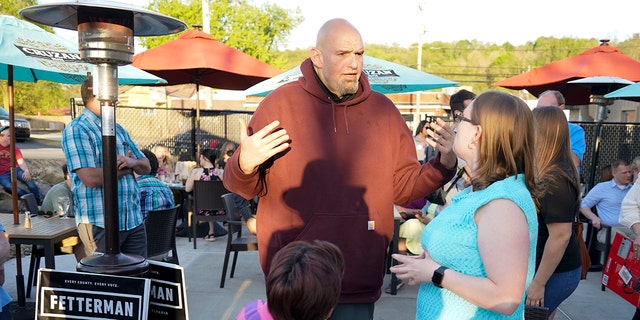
(344, 113)
(333, 111)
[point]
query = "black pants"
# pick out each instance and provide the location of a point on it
(353, 311)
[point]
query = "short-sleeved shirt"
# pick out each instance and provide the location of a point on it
(50, 202)
(5, 158)
(578, 143)
(82, 146)
(607, 198)
(255, 310)
(558, 204)
(154, 195)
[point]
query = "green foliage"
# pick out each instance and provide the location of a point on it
(42, 96)
(256, 31)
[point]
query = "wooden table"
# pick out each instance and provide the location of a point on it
(46, 232)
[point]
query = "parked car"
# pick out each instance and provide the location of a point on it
(23, 128)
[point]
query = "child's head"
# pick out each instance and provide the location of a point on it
(305, 280)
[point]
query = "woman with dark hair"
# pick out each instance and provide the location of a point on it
(304, 283)
(558, 262)
(479, 252)
(420, 138)
(205, 171)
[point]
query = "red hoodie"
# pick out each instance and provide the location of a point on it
(347, 164)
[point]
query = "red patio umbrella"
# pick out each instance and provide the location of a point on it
(197, 57)
(603, 60)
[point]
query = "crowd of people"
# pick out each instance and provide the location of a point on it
(501, 240)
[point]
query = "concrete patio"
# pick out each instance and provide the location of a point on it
(206, 300)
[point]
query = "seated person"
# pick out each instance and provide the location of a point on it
(607, 197)
(50, 205)
(304, 283)
(165, 164)
(154, 194)
(22, 171)
(50, 202)
(5, 255)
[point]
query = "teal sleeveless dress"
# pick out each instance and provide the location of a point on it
(451, 240)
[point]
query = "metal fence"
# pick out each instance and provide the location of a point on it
(175, 128)
(618, 141)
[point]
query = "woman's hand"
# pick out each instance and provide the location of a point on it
(535, 294)
(414, 269)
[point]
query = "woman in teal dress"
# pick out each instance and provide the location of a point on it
(479, 253)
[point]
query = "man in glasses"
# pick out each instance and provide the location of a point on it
(459, 101)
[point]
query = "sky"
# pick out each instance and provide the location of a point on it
(401, 22)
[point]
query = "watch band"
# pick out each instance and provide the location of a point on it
(438, 276)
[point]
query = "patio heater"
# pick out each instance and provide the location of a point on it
(105, 38)
(598, 99)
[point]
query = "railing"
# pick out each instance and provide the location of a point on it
(175, 128)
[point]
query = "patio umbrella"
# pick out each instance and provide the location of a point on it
(630, 91)
(384, 76)
(603, 60)
(197, 57)
(37, 54)
(30, 53)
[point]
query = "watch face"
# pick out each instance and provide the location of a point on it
(437, 277)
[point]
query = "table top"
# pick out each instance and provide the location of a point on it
(175, 186)
(41, 227)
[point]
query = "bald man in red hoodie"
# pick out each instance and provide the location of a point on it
(329, 157)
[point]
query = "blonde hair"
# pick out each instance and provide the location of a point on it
(507, 142)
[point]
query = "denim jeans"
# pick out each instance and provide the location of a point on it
(5, 181)
(560, 286)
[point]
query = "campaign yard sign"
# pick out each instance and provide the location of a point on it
(168, 295)
(79, 295)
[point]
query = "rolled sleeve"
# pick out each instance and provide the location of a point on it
(630, 208)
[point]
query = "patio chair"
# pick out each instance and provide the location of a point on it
(237, 243)
(206, 197)
(160, 226)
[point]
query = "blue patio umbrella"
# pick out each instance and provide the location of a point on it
(630, 91)
(29, 53)
(384, 76)
(37, 54)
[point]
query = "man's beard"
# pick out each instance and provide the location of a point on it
(348, 87)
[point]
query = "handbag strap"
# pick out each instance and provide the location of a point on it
(461, 172)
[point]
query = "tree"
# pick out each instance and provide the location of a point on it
(31, 98)
(256, 31)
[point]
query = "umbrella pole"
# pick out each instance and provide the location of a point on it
(600, 115)
(198, 135)
(14, 193)
(12, 147)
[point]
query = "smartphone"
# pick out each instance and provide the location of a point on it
(407, 215)
(623, 250)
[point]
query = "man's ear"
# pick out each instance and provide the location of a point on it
(316, 57)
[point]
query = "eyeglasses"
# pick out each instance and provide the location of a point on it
(459, 118)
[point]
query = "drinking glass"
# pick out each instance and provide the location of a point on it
(63, 207)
